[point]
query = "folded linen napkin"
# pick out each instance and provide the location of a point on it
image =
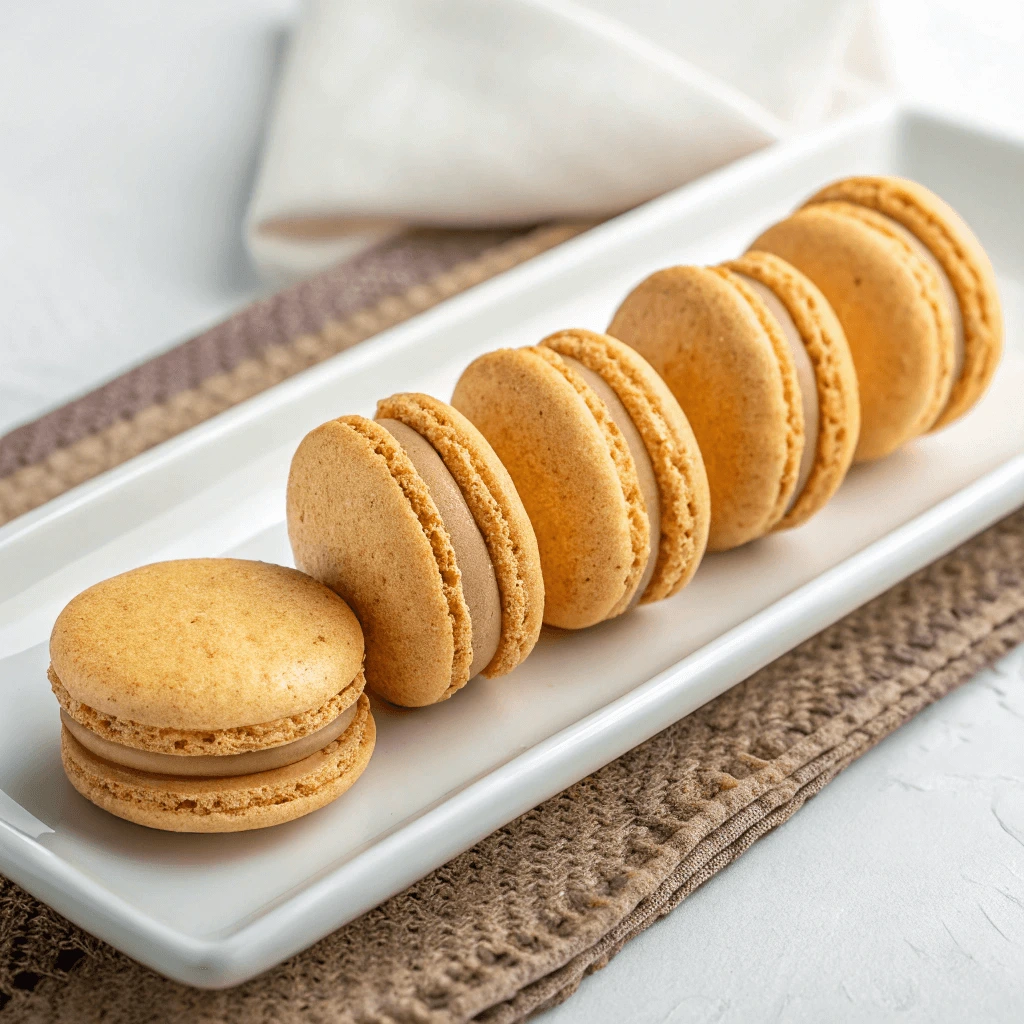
(469, 113)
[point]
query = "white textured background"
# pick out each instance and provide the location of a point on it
(129, 134)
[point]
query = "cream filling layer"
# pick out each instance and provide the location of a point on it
(806, 378)
(641, 458)
(948, 294)
(479, 582)
(210, 765)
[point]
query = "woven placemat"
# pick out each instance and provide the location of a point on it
(511, 926)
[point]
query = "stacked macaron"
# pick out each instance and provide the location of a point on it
(210, 695)
(566, 483)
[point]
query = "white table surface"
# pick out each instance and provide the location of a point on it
(130, 133)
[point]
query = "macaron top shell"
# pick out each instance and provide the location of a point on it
(889, 301)
(964, 261)
(834, 375)
(498, 511)
(361, 520)
(682, 483)
(206, 644)
(575, 475)
(723, 356)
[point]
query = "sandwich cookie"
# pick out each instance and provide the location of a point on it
(758, 361)
(414, 521)
(916, 296)
(607, 467)
(210, 695)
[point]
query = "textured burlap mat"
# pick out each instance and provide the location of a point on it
(512, 925)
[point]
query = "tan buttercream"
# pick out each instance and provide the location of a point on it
(806, 378)
(641, 458)
(211, 766)
(479, 583)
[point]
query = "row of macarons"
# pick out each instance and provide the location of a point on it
(570, 480)
(565, 482)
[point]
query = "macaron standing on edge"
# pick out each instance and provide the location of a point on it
(605, 463)
(760, 365)
(210, 695)
(414, 521)
(915, 293)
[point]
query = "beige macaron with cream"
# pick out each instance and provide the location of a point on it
(210, 695)
(915, 293)
(607, 467)
(412, 518)
(760, 365)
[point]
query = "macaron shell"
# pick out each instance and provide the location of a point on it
(888, 300)
(234, 804)
(362, 521)
(499, 513)
(722, 355)
(567, 467)
(836, 378)
(962, 257)
(206, 644)
(671, 446)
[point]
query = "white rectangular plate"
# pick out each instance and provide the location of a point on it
(215, 910)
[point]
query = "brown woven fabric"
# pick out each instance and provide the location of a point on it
(513, 925)
(251, 351)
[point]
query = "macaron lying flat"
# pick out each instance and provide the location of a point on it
(606, 465)
(916, 296)
(415, 522)
(210, 695)
(759, 364)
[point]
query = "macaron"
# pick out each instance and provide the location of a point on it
(415, 522)
(915, 293)
(759, 363)
(210, 695)
(607, 467)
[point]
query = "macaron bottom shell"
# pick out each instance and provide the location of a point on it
(232, 804)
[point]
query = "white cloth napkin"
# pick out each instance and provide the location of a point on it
(491, 112)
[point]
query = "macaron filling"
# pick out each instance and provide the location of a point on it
(946, 287)
(479, 581)
(210, 765)
(806, 378)
(641, 458)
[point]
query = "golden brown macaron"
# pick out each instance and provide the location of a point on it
(759, 364)
(606, 464)
(916, 296)
(415, 522)
(210, 695)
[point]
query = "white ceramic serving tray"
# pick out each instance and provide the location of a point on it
(215, 910)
